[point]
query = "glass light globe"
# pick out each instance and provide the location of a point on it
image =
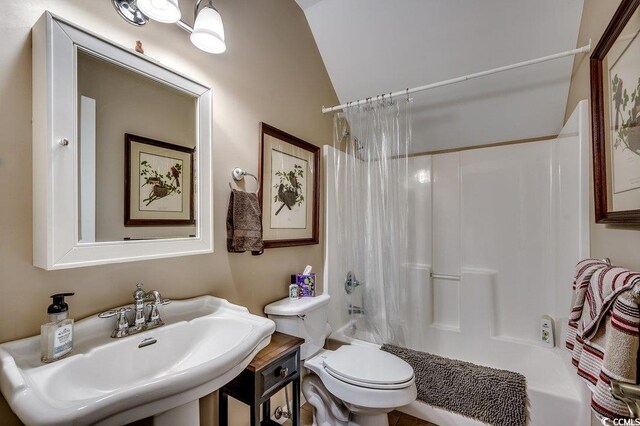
(208, 31)
(166, 11)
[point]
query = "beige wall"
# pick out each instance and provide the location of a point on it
(271, 72)
(621, 244)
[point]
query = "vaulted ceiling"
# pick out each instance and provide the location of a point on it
(371, 47)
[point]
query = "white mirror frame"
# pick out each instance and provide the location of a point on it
(55, 162)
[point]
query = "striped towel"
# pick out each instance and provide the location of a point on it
(603, 331)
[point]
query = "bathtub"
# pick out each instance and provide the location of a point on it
(556, 394)
(486, 263)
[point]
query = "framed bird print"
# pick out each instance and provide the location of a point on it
(158, 183)
(289, 189)
(615, 107)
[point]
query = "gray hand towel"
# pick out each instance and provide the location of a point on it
(244, 223)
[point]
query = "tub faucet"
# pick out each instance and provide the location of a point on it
(352, 309)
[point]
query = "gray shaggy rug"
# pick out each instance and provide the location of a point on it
(496, 397)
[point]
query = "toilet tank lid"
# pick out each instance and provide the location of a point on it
(288, 307)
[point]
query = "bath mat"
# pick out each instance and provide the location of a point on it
(496, 397)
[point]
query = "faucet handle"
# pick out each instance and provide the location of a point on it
(107, 314)
(154, 319)
(114, 312)
(154, 316)
(122, 326)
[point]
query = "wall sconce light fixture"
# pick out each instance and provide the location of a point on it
(207, 33)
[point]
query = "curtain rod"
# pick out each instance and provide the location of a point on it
(407, 92)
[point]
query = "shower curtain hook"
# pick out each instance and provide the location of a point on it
(408, 95)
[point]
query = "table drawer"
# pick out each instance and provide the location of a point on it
(279, 372)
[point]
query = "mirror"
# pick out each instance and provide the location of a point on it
(121, 151)
(137, 138)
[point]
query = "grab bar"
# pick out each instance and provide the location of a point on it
(449, 277)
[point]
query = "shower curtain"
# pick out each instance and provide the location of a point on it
(372, 214)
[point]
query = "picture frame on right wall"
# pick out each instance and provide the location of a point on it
(289, 189)
(615, 109)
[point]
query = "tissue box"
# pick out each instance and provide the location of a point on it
(306, 284)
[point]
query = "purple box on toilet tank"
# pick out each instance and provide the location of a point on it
(306, 284)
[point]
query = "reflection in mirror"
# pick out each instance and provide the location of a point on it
(137, 140)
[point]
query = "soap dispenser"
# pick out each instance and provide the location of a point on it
(56, 336)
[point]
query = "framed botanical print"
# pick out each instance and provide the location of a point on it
(615, 108)
(158, 183)
(289, 189)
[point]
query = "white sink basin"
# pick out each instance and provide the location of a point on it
(204, 343)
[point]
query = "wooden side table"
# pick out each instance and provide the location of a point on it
(273, 368)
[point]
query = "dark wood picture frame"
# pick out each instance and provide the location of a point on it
(266, 129)
(598, 110)
(128, 221)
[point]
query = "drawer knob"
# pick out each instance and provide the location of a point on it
(284, 372)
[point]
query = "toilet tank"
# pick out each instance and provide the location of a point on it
(305, 318)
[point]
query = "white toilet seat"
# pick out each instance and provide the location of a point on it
(357, 395)
(368, 367)
(369, 385)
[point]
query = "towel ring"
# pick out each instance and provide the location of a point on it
(238, 174)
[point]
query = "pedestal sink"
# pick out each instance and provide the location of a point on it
(205, 342)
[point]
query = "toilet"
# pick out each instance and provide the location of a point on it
(353, 385)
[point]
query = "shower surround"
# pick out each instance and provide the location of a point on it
(494, 235)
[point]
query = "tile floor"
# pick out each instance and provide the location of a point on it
(396, 418)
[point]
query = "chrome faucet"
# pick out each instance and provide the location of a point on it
(140, 321)
(351, 282)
